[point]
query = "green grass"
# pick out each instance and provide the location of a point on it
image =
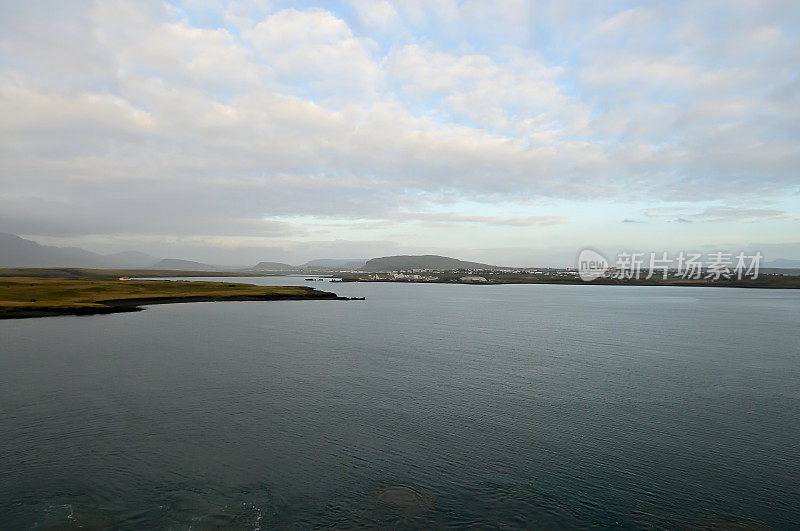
(61, 294)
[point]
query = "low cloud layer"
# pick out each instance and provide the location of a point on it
(149, 119)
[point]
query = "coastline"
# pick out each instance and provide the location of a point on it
(30, 297)
(138, 305)
(784, 282)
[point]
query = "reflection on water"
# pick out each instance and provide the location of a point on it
(425, 405)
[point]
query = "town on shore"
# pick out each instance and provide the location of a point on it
(25, 258)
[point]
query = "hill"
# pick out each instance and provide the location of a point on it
(782, 263)
(183, 265)
(19, 252)
(335, 264)
(428, 261)
(274, 266)
(128, 259)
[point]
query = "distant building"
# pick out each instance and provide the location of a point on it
(472, 279)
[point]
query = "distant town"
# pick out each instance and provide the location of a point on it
(24, 258)
(784, 280)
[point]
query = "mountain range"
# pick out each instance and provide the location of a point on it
(783, 263)
(182, 265)
(19, 252)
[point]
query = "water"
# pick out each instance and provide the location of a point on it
(501, 406)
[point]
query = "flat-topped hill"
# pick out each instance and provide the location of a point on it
(427, 261)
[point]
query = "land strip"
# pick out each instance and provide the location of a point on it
(22, 297)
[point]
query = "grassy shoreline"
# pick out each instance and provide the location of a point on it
(24, 297)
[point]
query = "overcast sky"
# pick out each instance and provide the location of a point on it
(510, 132)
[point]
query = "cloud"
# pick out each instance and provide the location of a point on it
(441, 218)
(717, 214)
(378, 14)
(739, 214)
(189, 118)
(316, 49)
(517, 96)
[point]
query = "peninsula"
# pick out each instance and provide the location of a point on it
(22, 297)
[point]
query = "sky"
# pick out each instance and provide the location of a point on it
(511, 132)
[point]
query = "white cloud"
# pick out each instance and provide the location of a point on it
(115, 108)
(377, 14)
(518, 96)
(315, 48)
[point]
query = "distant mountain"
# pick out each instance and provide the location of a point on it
(19, 252)
(784, 263)
(428, 261)
(326, 264)
(274, 266)
(129, 259)
(182, 265)
(333, 263)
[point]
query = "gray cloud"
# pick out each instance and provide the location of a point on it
(443, 218)
(718, 214)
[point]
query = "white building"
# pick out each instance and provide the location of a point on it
(472, 279)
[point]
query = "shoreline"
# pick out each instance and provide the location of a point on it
(138, 305)
(792, 284)
(27, 297)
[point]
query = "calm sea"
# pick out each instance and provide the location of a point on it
(500, 406)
